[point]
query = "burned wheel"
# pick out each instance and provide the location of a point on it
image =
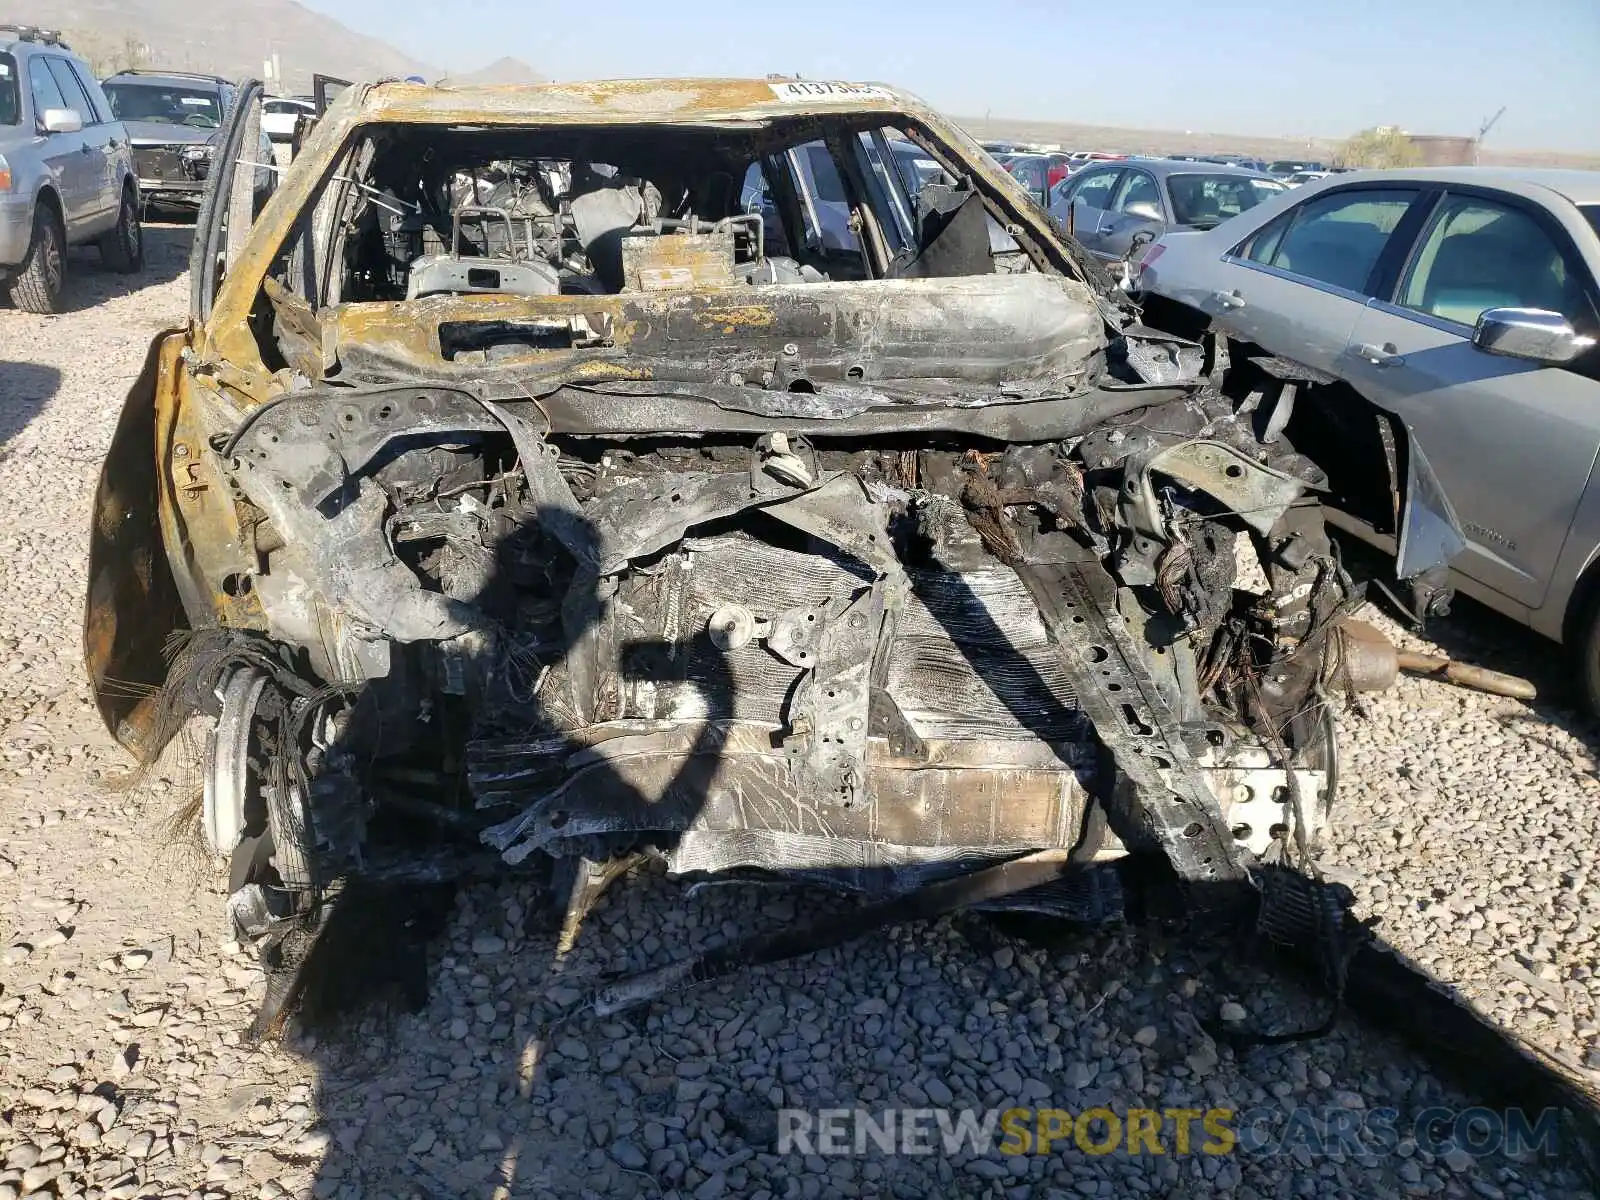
(240, 813)
(233, 797)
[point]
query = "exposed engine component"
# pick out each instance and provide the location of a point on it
(546, 228)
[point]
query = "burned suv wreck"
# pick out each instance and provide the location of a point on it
(516, 478)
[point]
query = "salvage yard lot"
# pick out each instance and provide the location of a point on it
(1466, 822)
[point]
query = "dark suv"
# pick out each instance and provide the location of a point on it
(172, 118)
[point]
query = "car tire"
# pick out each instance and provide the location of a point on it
(39, 282)
(122, 249)
(1587, 630)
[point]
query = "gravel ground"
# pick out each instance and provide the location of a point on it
(1468, 825)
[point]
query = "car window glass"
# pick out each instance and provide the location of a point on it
(1207, 200)
(1480, 254)
(1335, 238)
(45, 92)
(822, 198)
(1030, 172)
(753, 192)
(71, 91)
(163, 105)
(10, 101)
(825, 182)
(914, 165)
(1138, 196)
(1261, 245)
(756, 197)
(1095, 190)
(91, 89)
(893, 203)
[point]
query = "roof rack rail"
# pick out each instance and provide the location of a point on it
(173, 74)
(32, 33)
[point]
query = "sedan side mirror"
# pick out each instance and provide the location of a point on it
(62, 120)
(1535, 334)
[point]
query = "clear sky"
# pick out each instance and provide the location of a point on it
(1321, 68)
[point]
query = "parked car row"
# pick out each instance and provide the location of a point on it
(1115, 208)
(281, 114)
(1042, 170)
(82, 159)
(1466, 301)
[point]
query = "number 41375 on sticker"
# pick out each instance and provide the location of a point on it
(795, 91)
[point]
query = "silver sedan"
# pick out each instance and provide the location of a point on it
(1466, 301)
(1110, 206)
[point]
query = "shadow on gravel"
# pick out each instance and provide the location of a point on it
(479, 1072)
(25, 390)
(166, 257)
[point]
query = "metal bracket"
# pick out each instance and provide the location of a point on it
(831, 707)
(1172, 802)
(1258, 494)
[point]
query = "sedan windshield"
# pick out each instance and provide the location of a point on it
(165, 105)
(10, 108)
(1203, 201)
(1591, 213)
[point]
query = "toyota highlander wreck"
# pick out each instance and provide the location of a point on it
(740, 473)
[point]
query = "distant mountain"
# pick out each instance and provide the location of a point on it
(233, 39)
(501, 70)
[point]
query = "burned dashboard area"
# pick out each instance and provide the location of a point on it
(558, 210)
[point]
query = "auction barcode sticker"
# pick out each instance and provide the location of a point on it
(795, 91)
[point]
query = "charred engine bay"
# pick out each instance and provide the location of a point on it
(875, 659)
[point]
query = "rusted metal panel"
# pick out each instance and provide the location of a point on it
(133, 601)
(684, 262)
(621, 101)
(1029, 326)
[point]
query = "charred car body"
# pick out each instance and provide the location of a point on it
(512, 479)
